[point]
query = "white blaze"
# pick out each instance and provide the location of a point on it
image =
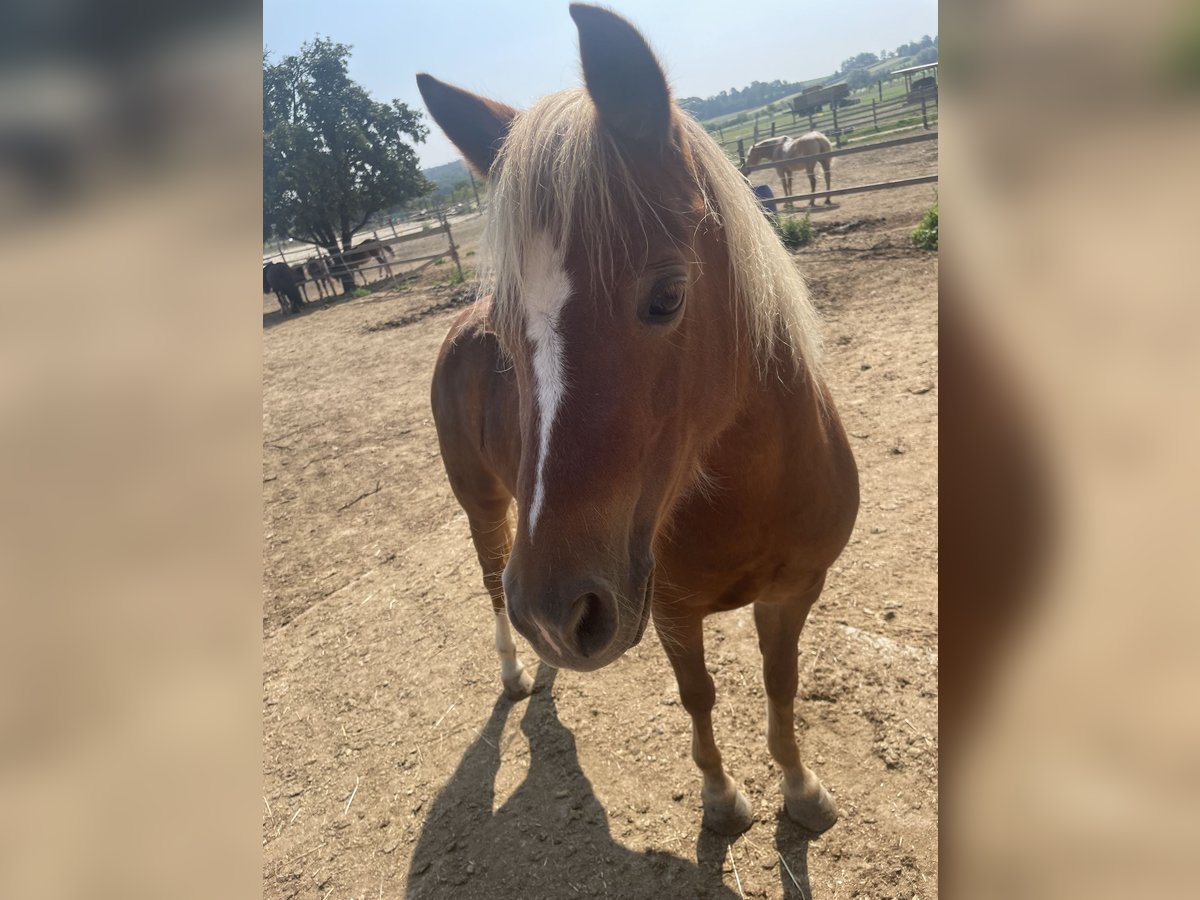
(547, 287)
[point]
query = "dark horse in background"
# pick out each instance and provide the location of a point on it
(280, 278)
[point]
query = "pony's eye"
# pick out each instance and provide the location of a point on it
(666, 302)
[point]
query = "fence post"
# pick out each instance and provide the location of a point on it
(874, 117)
(475, 191)
(836, 131)
(453, 249)
(772, 128)
(879, 84)
(742, 151)
(811, 126)
(924, 118)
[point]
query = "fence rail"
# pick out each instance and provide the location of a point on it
(412, 235)
(859, 189)
(305, 250)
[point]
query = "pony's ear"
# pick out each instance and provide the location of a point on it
(475, 124)
(622, 75)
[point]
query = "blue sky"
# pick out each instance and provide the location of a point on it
(519, 50)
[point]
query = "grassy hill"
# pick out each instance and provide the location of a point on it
(448, 175)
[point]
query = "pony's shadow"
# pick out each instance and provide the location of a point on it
(791, 846)
(551, 838)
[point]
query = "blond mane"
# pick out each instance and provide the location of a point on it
(559, 171)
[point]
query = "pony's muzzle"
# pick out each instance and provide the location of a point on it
(573, 628)
(592, 623)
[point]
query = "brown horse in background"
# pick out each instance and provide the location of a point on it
(361, 255)
(786, 151)
(644, 379)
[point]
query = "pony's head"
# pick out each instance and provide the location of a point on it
(637, 290)
(763, 151)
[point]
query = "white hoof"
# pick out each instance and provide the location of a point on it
(518, 686)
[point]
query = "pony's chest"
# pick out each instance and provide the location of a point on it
(732, 554)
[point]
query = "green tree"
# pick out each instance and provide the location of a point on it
(857, 78)
(862, 60)
(332, 156)
(462, 193)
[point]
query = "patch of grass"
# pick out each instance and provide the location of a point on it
(794, 231)
(455, 278)
(926, 234)
(361, 292)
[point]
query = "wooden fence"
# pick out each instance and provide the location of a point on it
(388, 242)
(451, 249)
(840, 123)
(797, 162)
(800, 161)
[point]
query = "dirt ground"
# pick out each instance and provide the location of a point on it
(393, 767)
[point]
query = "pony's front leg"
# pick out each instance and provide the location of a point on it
(517, 682)
(726, 809)
(493, 540)
(779, 623)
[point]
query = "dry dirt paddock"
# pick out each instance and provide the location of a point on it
(392, 765)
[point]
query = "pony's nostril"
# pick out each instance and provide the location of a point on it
(593, 623)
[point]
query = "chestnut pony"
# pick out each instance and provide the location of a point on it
(644, 378)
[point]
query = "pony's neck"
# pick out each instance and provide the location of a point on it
(767, 391)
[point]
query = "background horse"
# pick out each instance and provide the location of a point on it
(318, 272)
(361, 254)
(300, 277)
(280, 278)
(645, 381)
(785, 149)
